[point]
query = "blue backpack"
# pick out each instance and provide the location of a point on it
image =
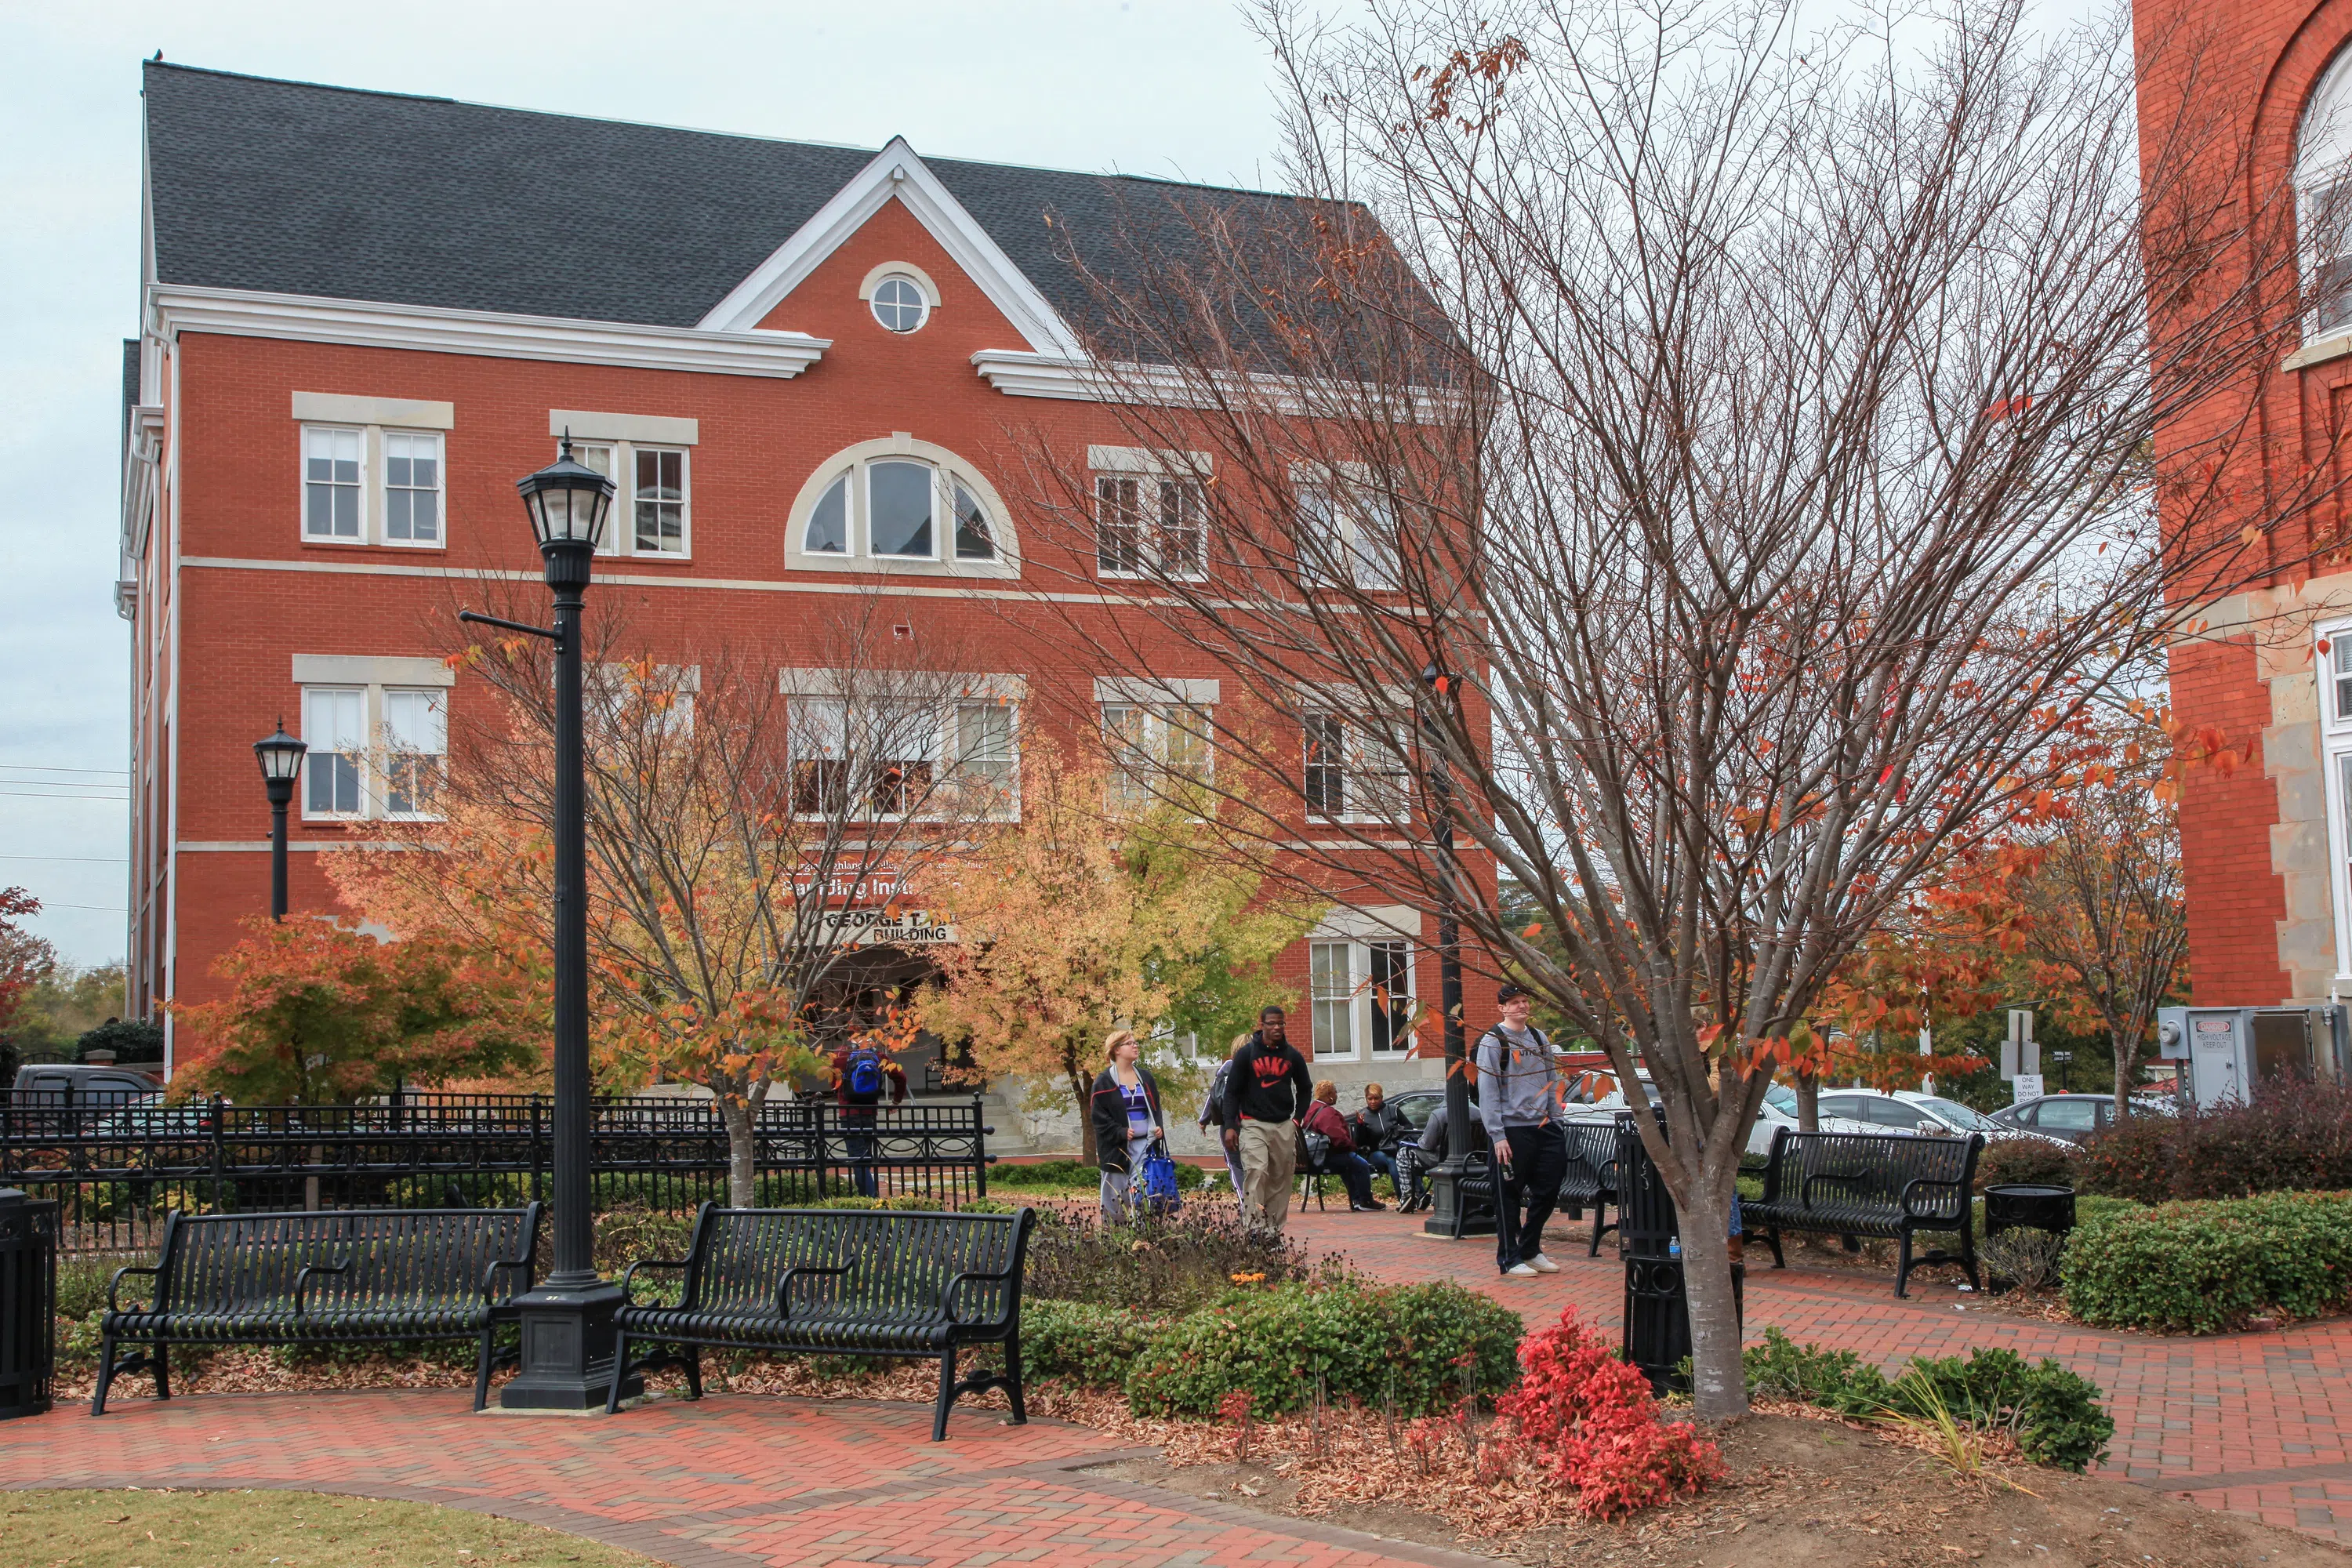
(863, 1077)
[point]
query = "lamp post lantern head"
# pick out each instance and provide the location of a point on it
(281, 761)
(567, 501)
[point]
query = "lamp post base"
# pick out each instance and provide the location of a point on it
(568, 1347)
(1452, 1212)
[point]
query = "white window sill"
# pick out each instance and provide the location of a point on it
(2318, 351)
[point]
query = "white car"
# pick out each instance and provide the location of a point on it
(1921, 1115)
(1780, 1110)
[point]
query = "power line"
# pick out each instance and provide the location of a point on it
(75, 860)
(46, 768)
(96, 909)
(39, 795)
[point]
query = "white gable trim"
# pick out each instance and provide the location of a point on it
(897, 172)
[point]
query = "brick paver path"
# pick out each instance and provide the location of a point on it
(2255, 1424)
(732, 1481)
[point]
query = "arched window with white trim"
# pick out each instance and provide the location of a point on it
(2323, 191)
(902, 506)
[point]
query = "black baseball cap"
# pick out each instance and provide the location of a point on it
(1507, 992)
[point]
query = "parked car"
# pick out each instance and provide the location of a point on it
(2075, 1117)
(1778, 1109)
(71, 1098)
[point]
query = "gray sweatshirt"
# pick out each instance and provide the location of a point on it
(1517, 1084)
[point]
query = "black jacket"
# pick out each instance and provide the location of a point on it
(1269, 1083)
(1108, 1109)
(1385, 1129)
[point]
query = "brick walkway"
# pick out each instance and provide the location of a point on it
(732, 1481)
(2255, 1424)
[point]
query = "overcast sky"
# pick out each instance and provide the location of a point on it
(1159, 87)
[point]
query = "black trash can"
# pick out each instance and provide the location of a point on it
(2033, 1206)
(28, 1303)
(1657, 1300)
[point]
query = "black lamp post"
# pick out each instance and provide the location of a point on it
(567, 1321)
(281, 765)
(1445, 1181)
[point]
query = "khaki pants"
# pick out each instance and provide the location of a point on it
(1269, 1157)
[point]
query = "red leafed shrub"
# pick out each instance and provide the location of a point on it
(1588, 1418)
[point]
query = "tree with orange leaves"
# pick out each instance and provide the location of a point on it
(317, 1014)
(722, 818)
(24, 957)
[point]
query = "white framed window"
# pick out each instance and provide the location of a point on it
(901, 503)
(900, 304)
(1153, 745)
(369, 484)
(376, 751)
(1345, 535)
(1346, 777)
(415, 749)
(887, 759)
(411, 487)
(2323, 189)
(334, 495)
(652, 508)
(335, 726)
(1361, 994)
(1150, 525)
(2332, 661)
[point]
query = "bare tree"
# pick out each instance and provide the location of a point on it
(748, 815)
(1701, 468)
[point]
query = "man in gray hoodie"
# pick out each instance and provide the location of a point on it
(1519, 1094)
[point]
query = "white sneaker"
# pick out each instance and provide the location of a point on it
(1543, 1265)
(1518, 1271)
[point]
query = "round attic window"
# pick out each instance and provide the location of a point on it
(899, 304)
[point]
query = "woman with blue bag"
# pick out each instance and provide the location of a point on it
(1130, 1130)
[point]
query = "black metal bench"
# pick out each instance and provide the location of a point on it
(339, 1277)
(1591, 1178)
(840, 1282)
(1852, 1185)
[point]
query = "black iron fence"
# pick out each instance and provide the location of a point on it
(116, 1169)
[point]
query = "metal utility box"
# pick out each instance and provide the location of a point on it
(2228, 1053)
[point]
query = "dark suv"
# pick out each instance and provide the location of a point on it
(74, 1097)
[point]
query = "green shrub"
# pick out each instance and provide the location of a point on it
(2207, 1266)
(1421, 1346)
(2054, 1414)
(1054, 1175)
(1095, 1346)
(2027, 1160)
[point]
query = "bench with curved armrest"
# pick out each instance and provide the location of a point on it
(838, 1282)
(1591, 1178)
(335, 1278)
(1852, 1185)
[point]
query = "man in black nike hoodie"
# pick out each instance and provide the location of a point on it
(1267, 1090)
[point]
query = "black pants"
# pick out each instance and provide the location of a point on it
(1539, 1162)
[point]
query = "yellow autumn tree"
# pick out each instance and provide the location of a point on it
(1084, 918)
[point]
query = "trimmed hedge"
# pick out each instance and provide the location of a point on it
(1422, 1346)
(2027, 1160)
(2207, 1266)
(1090, 1345)
(2054, 1414)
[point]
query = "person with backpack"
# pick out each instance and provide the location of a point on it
(861, 1076)
(1519, 1095)
(1213, 1114)
(1266, 1092)
(1124, 1109)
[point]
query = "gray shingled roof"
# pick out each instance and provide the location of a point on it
(293, 188)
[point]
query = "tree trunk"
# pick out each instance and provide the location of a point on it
(2127, 1049)
(1079, 1092)
(1719, 1378)
(739, 1116)
(1809, 1103)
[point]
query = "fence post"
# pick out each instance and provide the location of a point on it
(220, 1157)
(537, 1162)
(979, 1149)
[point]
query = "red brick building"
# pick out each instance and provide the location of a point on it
(364, 315)
(2267, 847)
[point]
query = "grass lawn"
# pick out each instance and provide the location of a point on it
(291, 1530)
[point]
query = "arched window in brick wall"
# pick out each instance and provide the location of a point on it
(2323, 184)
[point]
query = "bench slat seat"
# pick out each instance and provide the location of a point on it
(1591, 1178)
(334, 1278)
(1852, 1185)
(838, 1282)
